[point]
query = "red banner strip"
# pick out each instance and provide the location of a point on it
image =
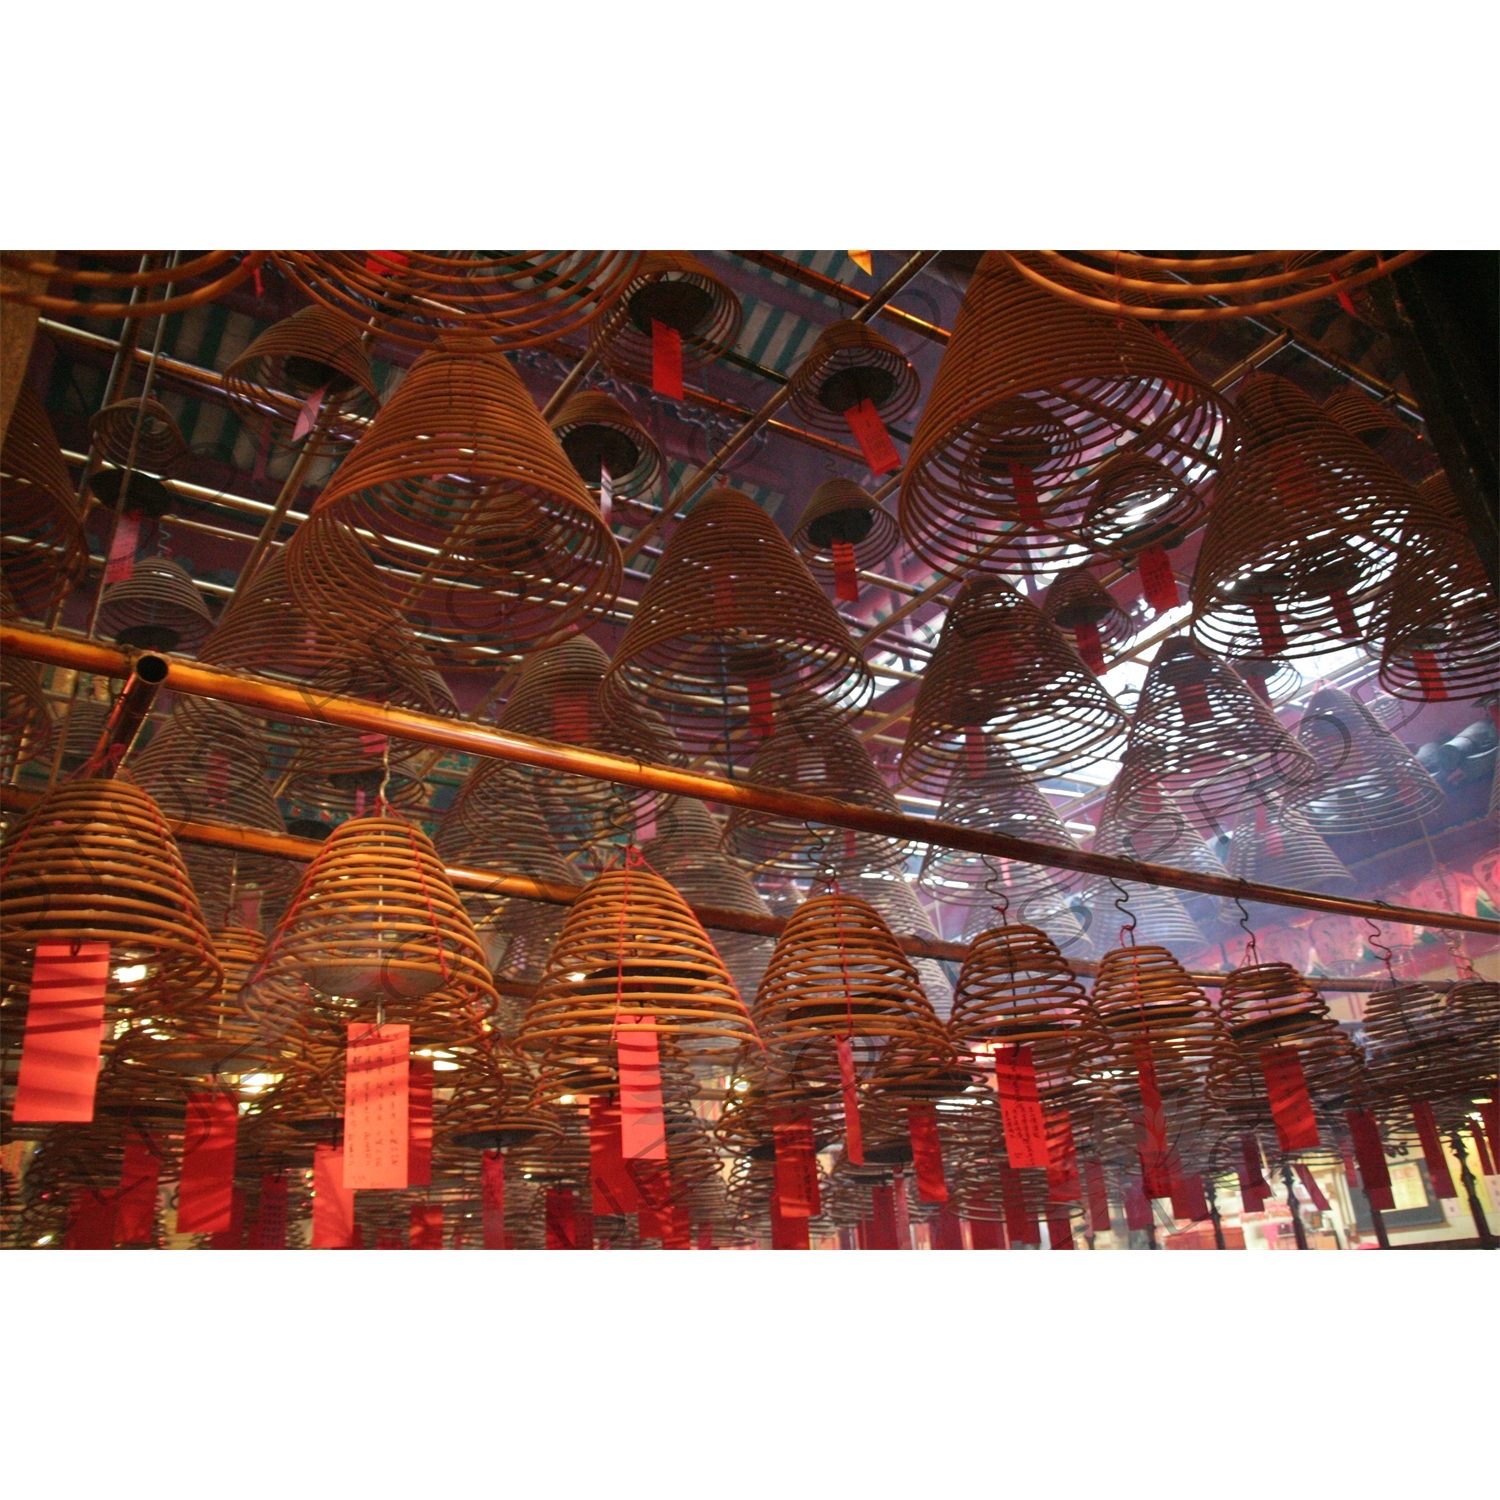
(845, 578)
(643, 1122)
(1369, 1151)
(666, 360)
(1151, 1128)
(796, 1168)
(492, 1200)
(1089, 648)
(1188, 1198)
(1021, 1224)
(874, 441)
(271, 1220)
(1098, 1196)
(561, 1219)
(64, 1032)
(1432, 1149)
(333, 1203)
(426, 1226)
(1063, 1184)
(1314, 1192)
(1060, 1232)
(419, 1123)
(854, 1140)
(611, 1186)
(135, 1210)
(1158, 582)
(1023, 483)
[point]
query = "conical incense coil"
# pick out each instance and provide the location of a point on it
(1415, 1041)
(729, 627)
(631, 945)
(318, 356)
(840, 512)
(812, 752)
(1441, 627)
(600, 436)
(1026, 396)
(1142, 994)
(94, 862)
(418, 296)
(26, 728)
(1151, 913)
(1135, 503)
(1040, 903)
(1303, 538)
(1002, 673)
(1265, 1004)
(891, 894)
(1382, 431)
(496, 1104)
(1077, 602)
(460, 461)
(745, 1126)
(1139, 820)
(676, 289)
(44, 553)
(157, 608)
(1208, 740)
(1278, 846)
(1367, 779)
(185, 281)
(850, 363)
(139, 433)
(266, 629)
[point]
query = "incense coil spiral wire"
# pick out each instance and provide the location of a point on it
(1420, 1047)
(1265, 1004)
(26, 726)
(316, 355)
(1268, 677)
(676, 289)
(1002, 673)
(94, 861)
(1367, 779)
(892, 896)
(1382, 431)
(44, 553)
(495, 1105)
(416, 297)
(265, 629)
(1026, 395)
(730, 626)
(140, 433)
(1278, 846)
(1041, 903)
(850, 363)
(215, 264)
(460, 461)
(1135, 503)
(157, 608)
(811, 751)
(840, 511)
(1305, 533)
(599, 435)
(1077, 599)
(1133, 284)
(1441, 627)
(1207, 739)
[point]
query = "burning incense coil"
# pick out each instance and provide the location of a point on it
(1278, 846)
(1382, 431)
(849, 363)
(599, 435)
(839, 511)
(676, 289)
(1266, 1004)
(44, 553)
(1135, 503)
(206, 277)
(139, 432)
(157, 608)
(1077, 602)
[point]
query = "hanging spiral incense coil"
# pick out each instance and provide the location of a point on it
(26, 727)
(1078, 602)
(1135, 503)
(1367, 779)
(459, 461)
(1266, 1004)
(1441, 627)
(1278, 846)
(44, 553)
(811, 751)
(849, 363)
(1304, 534)
(678, 290)
(1201, 288)
(598, 434)
(94, 862)
(729, 627)
(1330, 1066)
(894, 899)
(1002, 673)
(1382, 432)
(495, 1104)
(1268, 677)
(511, 301)
(1207, 739)
(139, 433)
(1068, 921)
(1025, 396)
(157, 608)
(839, 511)
(318, 356)
(265, 629)
(206, 277)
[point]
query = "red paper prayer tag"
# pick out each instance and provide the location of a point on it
(1375, 1176)
(561, 1219)
(1060, 1232)
(1020, 1108)
(1021, 1224)
(385, 262)
(1089, 648)
(1188, 1200)
(976, 750)
(643, 1125)
(874, 441)
(1432, 1149)
(787, 1231)
(1023, 482)
(492, 1199)
(1151, 1128)
(1314, 1192)
(120, 564)
(845, 579)
(333, 1203)
(64, 1032)
(1098, 1196)
(1254, 1189)
(1268, 623)
(427, 1226)
(419, 1123)
(1158, 582)
(373, 744)
(666, 360)
(1192, 699)
(1291, 1105)
(205, 1194)
(307, 416)
(376, 1091)
(926, 1153)
(1137, 1205)
(232, 1238)
(1429, 676)
(796, 1168)
(762, 718)
(1343, 612)
(612, 1187)
(854, 1140)
(271, 1225)
(1346, 302)
(91, 1221)
(135, 1203)
(1063, 1185)
(883, 1219)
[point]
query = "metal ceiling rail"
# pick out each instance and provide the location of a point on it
(268, 697)
(850, 296)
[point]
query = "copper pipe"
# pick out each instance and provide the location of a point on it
(273, 699)
(131, 709)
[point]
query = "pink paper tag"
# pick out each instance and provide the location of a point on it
(1020, 1108)
(307, 417)
(333, 1203)
(854, 1140)
(375, 1105)
(606, 494)
(121, 562)
(64, 1032)
(643, 1125)
(874, 441)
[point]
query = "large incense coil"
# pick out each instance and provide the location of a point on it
(266, 629)
(677, 289)
(495, 1105)
(1043, 904)
(94, 861)
(157, 608)
(1278, 846)
(630, 944)
(1420, 1046)
(1302, 542)
(459, 460)
(44, 552)
(26, 727)
(1205, 738)
(1367, 779)
(1135, 503)
(188, 283)
(1126, 910)
(1382, 431)
(840, 511)
(1265, 1004)
(850, 363)
(1002, 673)
(1077, 599)
(812, 752)
(317, 355)
(416, 296)
(1330, 1066)
(139, 433)
(893, 897)
(1271, 679)
(748, 1112)
(1026, 395)
(599, 434)
(1441, 626)
(730, 626)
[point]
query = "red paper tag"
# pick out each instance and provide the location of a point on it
(666, 360)
(1343, 612)
(1346, 302)
(1188, 1200)
(562, 1219)
(492, 1199)
(307, 416)
(135, 1203)
(1192, 699)
(1060, 1232)
(64, 1032)
(1020, 1108)
(903, 1215)
(926, 1153)
(947, 1230)
(333, 1203)
(1023, 482)
(762, 717)
(271, 1221)
(1374, 1174)
(874, 441)
(1430, 676)
(883, 1219)
(653, 1183)
(1021, 1224)
(1158, 582)
(427, 1226)
(1254, 1189)
(679, 1229)
(1268, 623)
(1137, 1205)
(1291, 1105)
(376, 1105)
(1314, 1192)
(787, 1233)
(91, 1221)
(845, 579)
(218, 777)
(232, 1238)
(1432, 1149)
(419, 1123)
(796, 1169)
(1151, 1128)
(1063, 1185)
(386, 262)
(374, 745)
(705, 1236)
(854, 1139)
(386, 1240)
(120, 564)
(612, 1187)
(205, 1195)
(1098, 1196)
(1087, 637)
(643, 1124)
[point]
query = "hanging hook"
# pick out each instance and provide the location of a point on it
(1252, 953)
(1122, 905)
(1380, 949)
(996, 888)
